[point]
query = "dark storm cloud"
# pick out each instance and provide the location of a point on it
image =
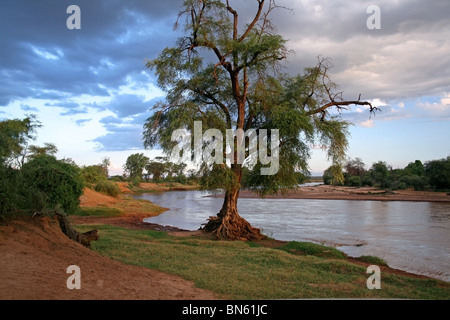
(40, 54)
(40, 58)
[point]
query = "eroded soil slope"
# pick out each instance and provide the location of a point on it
(35, 255)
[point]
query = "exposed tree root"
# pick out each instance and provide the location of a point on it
(83, 238)
(232, 227)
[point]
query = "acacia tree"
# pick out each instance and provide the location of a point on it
(48, 149)
(156, 169)
(228, 76)
(15, 136)
(135, 165)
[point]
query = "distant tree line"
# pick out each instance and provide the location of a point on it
(140, 168)
(434, 174)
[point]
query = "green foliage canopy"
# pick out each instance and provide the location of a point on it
(15, 135)
(438, 171)
(135, 165)
(243, 87)
(52, 183)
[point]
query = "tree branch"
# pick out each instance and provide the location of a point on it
(235, 21)
(255, 20)
(221, 105)
(340, 104)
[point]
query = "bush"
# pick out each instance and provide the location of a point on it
(400, 186)
(135, 182)
(118, 179)
(418, 183)
(367, 181)
(438, 173)
(93, 174)
(51, 183)
(108, 187)
(10, 196)
(181, 179)
(354, 181)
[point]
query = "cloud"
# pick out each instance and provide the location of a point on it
(112, 44)
(367, 124)
(121, 138)
(100, 69)
(408, 58)
(438, 108)
(122, 134)
(127, 105)
(81, 122)
(27, 108)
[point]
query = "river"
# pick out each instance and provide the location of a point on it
(411, 236)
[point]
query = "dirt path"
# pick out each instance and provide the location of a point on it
(35, 256)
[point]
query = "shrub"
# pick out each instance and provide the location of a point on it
(354, 181)
(10, 197)
(118, 179)
(135, 182)
(367, 181)
(438, 173)
(400, 186)
(50, 183)
(418, 183)
(93, 174)
(108, 187)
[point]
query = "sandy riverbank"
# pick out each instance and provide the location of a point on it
(351, 193)
(35, 256)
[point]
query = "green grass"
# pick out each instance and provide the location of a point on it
(373, 260)
(309, 248)
(242, 270)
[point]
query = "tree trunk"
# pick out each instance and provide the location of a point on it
(228, 224)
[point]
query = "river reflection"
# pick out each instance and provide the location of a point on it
(412, 236)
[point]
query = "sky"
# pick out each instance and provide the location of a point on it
(92, 93)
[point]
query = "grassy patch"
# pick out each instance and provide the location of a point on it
(308, 248)
(99, 212)
(373, 260)
(126, 205)
(239, 270)
(139, 206)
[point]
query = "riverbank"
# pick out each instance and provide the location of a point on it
(196, 236)
(136, 260)
(36, 254)
(326, 192)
